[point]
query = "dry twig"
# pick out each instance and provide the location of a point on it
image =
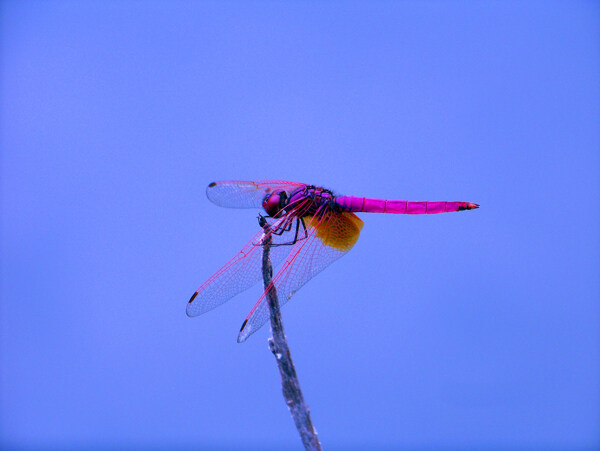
(279, 347)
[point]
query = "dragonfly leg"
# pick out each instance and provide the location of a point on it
(279, 231)
(298, 223)
(286, 228)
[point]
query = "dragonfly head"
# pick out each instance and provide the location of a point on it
(275, 202)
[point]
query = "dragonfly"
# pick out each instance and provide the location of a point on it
(308, 227)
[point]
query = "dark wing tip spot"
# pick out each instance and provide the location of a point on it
(212, 184)
(243, 325)
(193, 297)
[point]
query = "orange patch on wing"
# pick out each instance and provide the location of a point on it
(338, 230)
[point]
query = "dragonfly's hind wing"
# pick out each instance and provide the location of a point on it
(330, 236)
(246, 194)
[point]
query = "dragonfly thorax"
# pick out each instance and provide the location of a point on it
(310, 200)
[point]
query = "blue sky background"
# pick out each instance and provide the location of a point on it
(468, 329)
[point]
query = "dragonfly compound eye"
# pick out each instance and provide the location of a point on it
(272, 204)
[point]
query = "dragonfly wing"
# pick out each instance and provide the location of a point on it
(330, 236)
(245, 194)
(241, 272)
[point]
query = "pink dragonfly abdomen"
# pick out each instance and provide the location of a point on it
(366, 205)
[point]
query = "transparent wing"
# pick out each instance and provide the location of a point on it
(245, 194)
(330, 236)
(245, 269)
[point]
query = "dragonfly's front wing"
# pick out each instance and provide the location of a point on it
(240, 273)
(245, 269)
(246, 194)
